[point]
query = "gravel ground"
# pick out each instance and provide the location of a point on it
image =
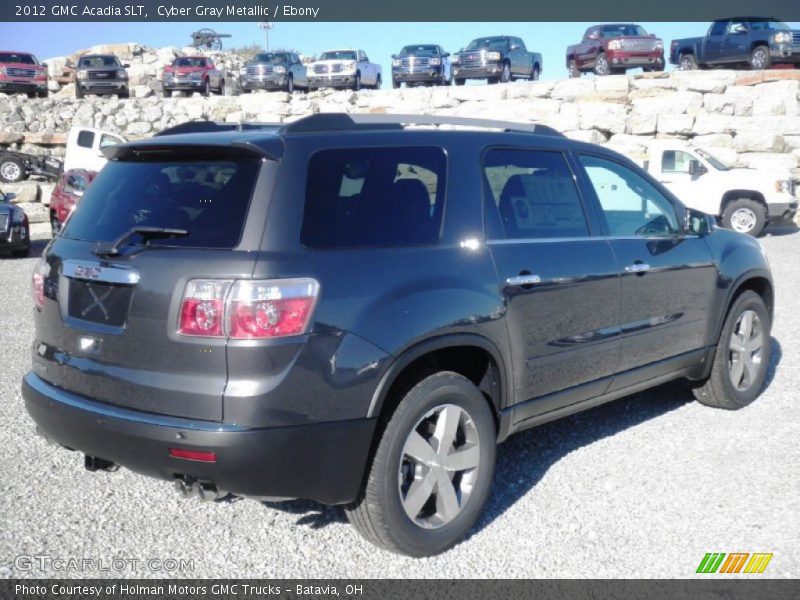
(642, 487)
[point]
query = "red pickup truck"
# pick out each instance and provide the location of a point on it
(21, 73)
(193, 74)
(66, 195)
(615, 48)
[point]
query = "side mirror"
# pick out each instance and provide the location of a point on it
(593, 36)
(698, 223)
(394, 56)
(45, 65)
(513, 47)
(445, 54)
(696, 168)
(126, 66)
(741, 29)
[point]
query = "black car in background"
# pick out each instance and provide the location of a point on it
(356, 312)
(421, 64)
(15, 234)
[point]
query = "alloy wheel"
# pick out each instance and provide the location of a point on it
(10, 171)
(759, 58)
(439, 466)
(743, 220)
(745, 350)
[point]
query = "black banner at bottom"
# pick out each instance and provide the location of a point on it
(372, 589)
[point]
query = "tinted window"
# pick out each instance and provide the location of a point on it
(338, 55)
(632, 205)
(92, 62)
(718, 28)
(191, 61)
(13, 57)
(85, 139)
(487, 44)
(374, 197)
(207, 198)
(534, 195)
(622, 29)
(420, 51)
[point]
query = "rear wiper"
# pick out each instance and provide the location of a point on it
(112, 248)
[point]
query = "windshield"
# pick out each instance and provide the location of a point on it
(768, 24)
(419, 51)
(271, 59)
(715, 162)
(338, 55)
(208, 198)
(90, 62)
(13, 57)
(620, 30)
(487, 44)
(189, 62)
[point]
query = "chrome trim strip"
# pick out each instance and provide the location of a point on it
(54, 394)
(88, 270)
(596, 238)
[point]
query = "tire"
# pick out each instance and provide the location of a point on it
(572, 69)
(290, 84)
(719, 390)
(22, 253)
(745, 216)
(687, 62)
(381, 513)
(395, 85)
(43, 94)
(78, 92)
(55, 226)
(221, 90)
(378, 82)
(760, 58)
(206, 88)
(12, 169)
(357, 83)
(124, 95)
(505, 74)
(459, 81)
(601, 65)
(535, 73)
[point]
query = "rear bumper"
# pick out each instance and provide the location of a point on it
(16, 237)
(323, 462)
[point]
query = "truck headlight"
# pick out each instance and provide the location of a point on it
(783, 37)
(195, 75)
(615, 45)
(659, 45)
(243, 71)
(435, 62)
(280, 69)
(492, 56)
(82, 74)
(783, 186)
(169, 75)
(455, 60)
(396, 62)
(122, 74)
(349, 67)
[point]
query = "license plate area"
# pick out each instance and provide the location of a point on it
(95, 296)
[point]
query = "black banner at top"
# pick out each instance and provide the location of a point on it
(401, 11)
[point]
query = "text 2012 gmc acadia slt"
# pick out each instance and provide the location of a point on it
(354, 311)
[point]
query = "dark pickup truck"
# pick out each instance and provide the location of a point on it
(614, 48)
(752, 41)
(497, 59)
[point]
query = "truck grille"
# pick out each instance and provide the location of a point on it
(3, 222)
(324, 69)
(99, 302)
(259, 70)
(636, 45)
(796, 37)
(17, 72)
(320, 69)
(472, 60)
(102, 74)
(412, 62)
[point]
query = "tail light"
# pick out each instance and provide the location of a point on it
(246, 310)
(203, 307)
(40, 272)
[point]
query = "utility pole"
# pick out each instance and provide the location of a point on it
(266, 26)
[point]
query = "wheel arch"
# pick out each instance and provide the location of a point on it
(471, 355)
(733, 195)
(757, 281)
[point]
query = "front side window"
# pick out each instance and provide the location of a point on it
(632, 206)
(534, 195)
(109, 140)
(675, 161)
(366, 197)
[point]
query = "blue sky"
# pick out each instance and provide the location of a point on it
(379, 40)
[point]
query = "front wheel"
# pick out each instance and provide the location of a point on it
(745, 216)
(458, 81)
(207, 88)
(760, 58)
(290, 84)
(432, 470)
(601, 66)
(378, 83)
(505, 74)
(742, 356)
(572, 68)
(357, 82)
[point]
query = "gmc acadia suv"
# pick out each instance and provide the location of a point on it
(353, 311)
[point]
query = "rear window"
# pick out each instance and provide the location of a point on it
(207, 198)
(374, 197)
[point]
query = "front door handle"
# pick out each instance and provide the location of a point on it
(638, 267)
(524, 280)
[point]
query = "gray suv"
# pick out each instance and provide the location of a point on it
(101, 74)
(348, 310)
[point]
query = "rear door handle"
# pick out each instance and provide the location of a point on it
(524, 280)
(637, 268)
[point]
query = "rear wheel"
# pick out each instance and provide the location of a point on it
(395, 84)
(221, 89)
(290, 84)
(687, 62)
(378, 82)
(535, 73)
(12, 169)
(55, 226)
(432, 470)
(78, 92)
(760, 58)
(745, 216)
(742, 356)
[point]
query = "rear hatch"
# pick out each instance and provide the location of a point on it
(109, 318)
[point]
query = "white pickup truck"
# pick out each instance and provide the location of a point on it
(85, 148)
(742, 199)
(344, 69)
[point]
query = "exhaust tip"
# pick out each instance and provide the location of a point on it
(95, 463)
(200, 491)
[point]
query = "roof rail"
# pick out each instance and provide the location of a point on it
(214, 127)
(342, 122)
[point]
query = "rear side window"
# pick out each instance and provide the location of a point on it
(534, 195)
(374, 197)
(85, 139)
(208, 198)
